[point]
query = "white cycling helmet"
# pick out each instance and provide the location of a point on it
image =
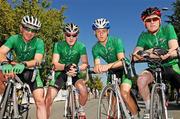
(31, 22)
(100, 23)
(71, 28)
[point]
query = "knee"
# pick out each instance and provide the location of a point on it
(141, 82)
(83, 92)
(40, 102)
(125, 95)
(82, 89)
(48, 100)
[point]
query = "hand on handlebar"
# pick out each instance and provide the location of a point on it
(162, 53)
(18, 68)
(101, 68)
(6, 68)
(71, 70)
(140, 55)
(143, 54)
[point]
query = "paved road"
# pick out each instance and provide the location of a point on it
(91, 111)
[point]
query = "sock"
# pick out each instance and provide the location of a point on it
(147, 103)
(135, 116)
(81, 108)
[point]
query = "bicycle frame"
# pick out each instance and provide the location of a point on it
(158, 90)
(116, 95)
(121, 101)
(158, 84)
(72, 101)
(10, 99)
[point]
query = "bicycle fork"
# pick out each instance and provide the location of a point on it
(76, 100)
(121, 101)
(164, 100)
(124, 108)
(15, 105)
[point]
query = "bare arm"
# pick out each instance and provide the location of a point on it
(173, 45)
(135, 55)
(55, 61)
(100, 68)
(84, 64)
(118, 63)
(3, 52)
(37, 60)
(172, 52)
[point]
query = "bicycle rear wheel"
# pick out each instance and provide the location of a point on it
(157, 105)
(108, 107)
(70, 106)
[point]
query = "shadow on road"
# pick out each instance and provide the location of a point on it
(173, 106)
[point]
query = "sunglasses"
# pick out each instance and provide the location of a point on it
(152, 19)
(30, 30)
(69, 35)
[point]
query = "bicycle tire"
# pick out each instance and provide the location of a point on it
(4, 101)
(157, 110)
(123, 110)
(106, 110)
(70, 107)
(24, 107)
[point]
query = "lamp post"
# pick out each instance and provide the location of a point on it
(164, 8)
(165, 16)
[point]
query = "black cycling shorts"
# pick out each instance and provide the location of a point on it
(60, 82)
(170, 75)
(26, 77)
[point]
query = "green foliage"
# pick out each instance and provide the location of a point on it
(52, 21)
(82, 75)
(175, 18)
(95, 83)
(7, 23)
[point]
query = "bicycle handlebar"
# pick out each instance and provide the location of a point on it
(125, 66)
(158, 62)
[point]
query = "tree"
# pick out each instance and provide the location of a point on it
(7, 23)
(52, 21)
(175, 18)
(95, 83)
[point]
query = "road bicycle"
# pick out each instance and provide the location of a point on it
(71, 102)
(15, 101)
(72, 106)
(111, 104)
(158, 105)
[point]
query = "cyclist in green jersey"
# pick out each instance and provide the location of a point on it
(163, 37)
(66, 56)
(29, 51)
(111, 50)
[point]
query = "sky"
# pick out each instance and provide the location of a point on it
(124, 17)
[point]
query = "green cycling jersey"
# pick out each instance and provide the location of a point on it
(69, 54)
(166, 33)
(109, 53)
(25, 51)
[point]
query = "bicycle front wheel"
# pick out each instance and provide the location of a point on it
(157, 110)
(70, 106)
(24, 103)
(4, 110)
(108, 107)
